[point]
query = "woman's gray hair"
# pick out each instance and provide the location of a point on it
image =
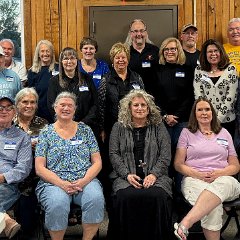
(36, 67)
(65, 95)
(24, 92)
(233, 20)
(181, 59)
(125, 115)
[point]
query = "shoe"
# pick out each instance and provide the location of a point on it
(12, 227)
(183, 229)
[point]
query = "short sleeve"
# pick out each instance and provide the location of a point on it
(42, 145)
(183, 139)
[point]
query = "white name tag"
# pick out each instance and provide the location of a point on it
(97, 76)
(136, 86)
(34, 139)
(9, 78)
(54, 73)
(83, 89)
(10, 146)
(180, 74)
(222, 142)
(76, 142)
(146, 64)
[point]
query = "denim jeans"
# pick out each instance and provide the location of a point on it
(9, 194)
(56, 204)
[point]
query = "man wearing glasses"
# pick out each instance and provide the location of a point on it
(233, 47)
(10, 83)
(143, 54)
(189, 37)
(15, 161)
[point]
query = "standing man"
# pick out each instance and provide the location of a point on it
(233, 47)
(10, 63)
(189, 37)
(10, 83)
(15, 161)
(143, 54)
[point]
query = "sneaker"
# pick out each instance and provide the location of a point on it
(12, 227)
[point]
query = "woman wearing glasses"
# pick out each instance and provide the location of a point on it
(70, 79)
(173, 88)
(217, 80)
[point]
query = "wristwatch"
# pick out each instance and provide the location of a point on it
(165, 116)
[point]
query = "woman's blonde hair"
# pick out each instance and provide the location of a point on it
(125, 115)
(181, 59)
(36, 67)
(118, 48)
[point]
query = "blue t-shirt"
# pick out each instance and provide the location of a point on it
(10, 83)
(101, 69)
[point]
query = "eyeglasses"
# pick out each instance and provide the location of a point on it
(138, 31)
(213, 51)
(7, 108)
(232, 29)
(190, 33)
(170, 49)
(71, 59)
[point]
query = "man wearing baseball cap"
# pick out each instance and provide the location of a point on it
(10, 83)
(189, 37)
(15, 161)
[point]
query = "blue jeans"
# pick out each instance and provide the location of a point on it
(9, 194)
(56, 204)
(174, 133)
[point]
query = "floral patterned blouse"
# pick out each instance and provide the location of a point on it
(69, 159)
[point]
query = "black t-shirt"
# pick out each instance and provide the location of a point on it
(192, 59)
(143, 63)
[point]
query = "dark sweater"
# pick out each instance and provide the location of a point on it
(174, 90)
(86, 98)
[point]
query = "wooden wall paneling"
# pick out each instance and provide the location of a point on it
(236, 8)
(188, 12)
(40, 20)
(34, 26)
(211, 19)
(219, 20)
(55, 25)
(63, 41)
(27, 33)
(226, 16)
(181, 19)
(72, 23)
(79, 24)
(47, 21)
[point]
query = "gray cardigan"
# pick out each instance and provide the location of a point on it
(157, 155)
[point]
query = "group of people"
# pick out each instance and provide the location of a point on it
(69, 127)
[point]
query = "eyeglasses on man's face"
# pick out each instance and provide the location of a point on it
(138, 31)
(7, 108)
(166, 50)
(190, 33)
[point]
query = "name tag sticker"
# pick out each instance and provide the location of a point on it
(10, 146)
(97, 76)
(180, 74)
(9, 78)
(76, 142)
(83, 89)
(54, 72)
(135, 86)
(146, 64)
(222, 142)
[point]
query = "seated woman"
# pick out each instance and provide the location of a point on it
(207, 159)
(140, 153)
(68, 161)
(26, 103)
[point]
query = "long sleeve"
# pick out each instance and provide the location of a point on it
(102, 101)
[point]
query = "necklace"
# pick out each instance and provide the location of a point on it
(213, 71)
(208, 133)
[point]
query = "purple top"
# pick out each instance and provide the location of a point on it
(205, 154)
